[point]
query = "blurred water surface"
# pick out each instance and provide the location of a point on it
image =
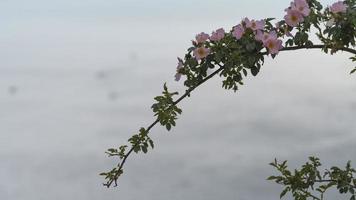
(78, 77)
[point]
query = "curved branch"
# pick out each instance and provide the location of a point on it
(121, 164)
(319, 46)
(187, 93)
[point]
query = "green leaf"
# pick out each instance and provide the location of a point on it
(284, 192)
(353, 71)
(244, 71)
(151, 143)
(168, 127)
(144, 149)
(271, 177)
(165, 87)
(137, 148)
(254, 71)
(112, 150)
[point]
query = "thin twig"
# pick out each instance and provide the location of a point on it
(335, 181)
(319, 46)
(121, 164)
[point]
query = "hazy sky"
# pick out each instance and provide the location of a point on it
(78, 77)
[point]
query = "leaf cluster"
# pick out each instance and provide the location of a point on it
(165, 108)
(309, 182)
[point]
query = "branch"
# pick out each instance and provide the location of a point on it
(319, 46)
(335, 181)
(120, 165)
(187, 93)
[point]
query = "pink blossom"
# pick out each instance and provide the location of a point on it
(259, 35)
(201, 52)
(338, 7)
(264, 36)
(291, 4)
(201, 37)
(301, 6)
(179, 66)
(273, 34)
(293, 18)
(217, 35)
(273, 45)
(238, 31)
(255, 24)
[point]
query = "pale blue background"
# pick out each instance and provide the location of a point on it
(78, 77)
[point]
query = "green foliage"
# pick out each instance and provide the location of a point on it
(165, 108)
(309, 182)
(233, 59)
(234, 56)
(141, 141)
(166, 111)
(112, 176)
(341, 32)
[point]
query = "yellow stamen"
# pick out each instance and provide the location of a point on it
(294, 18)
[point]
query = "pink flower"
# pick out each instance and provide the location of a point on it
(338, 7)
(264, 36)
(201, 37)
(259, 35)
(293, 18)
(301, 6)
(201, 52)
(179, 66)
(273, 45)
(254, 25)
(217, 35)
(238, 31)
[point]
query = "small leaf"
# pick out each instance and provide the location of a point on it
(144, 149)
(168, 127)
(112, 150)
(151, 143)
(271, 177)
(137, 148)
(284, 192)
(352, 71)
(165, 87)
(254, 71)
(244, 71)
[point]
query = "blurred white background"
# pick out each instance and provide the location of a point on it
(78, 77)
